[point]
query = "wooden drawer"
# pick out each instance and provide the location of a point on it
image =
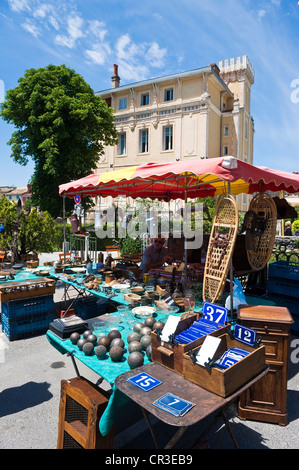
(267, 328)
(274, 347)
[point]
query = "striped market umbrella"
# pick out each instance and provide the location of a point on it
(179, 180)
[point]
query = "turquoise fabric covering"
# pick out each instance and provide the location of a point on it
(106, 368)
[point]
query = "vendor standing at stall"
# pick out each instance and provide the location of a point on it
(155, 255)
(288, 229)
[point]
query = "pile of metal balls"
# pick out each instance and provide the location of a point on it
(139, 343)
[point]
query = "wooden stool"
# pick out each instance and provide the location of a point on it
(81, 406)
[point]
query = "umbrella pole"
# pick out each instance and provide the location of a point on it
(63, 215)
(185, 244)
(231, 279)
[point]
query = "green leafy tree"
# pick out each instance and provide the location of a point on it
(35, 232)
(61, 125)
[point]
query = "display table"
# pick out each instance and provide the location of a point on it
(105, 368)
(206, 403)
(81, 289)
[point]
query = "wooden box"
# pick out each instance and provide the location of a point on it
(225, 382)
(171, 356)
(32, 264)
(25, 289)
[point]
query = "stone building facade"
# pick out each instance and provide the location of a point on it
(198, 114)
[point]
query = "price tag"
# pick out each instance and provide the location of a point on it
(144, 381)
(215, 313)
(245, 335)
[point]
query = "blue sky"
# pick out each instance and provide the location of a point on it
(152, 38)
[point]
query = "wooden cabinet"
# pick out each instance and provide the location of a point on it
(267, 399)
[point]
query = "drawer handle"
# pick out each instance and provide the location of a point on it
(165, 351)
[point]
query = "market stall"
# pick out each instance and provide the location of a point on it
(220, 370)
(198, 178)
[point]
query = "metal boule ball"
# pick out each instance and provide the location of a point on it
(116, 353)
(135, 359)
(88, 348)
(86, 333)
(105, 341)
(149, 321)
(158, 325)
(145, 341)
(114, 334)
(74, 337)
(138, 326)
(145, 330)
(81, 343)
(148, 352)
(134, 336)
(135, 346)
(100, 351)
(117, 342)
(92, 338)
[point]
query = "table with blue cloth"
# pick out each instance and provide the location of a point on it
(105, 368)
(77, 283)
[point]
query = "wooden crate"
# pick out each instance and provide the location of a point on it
(225, 382)
(26, 289)
(171, 356)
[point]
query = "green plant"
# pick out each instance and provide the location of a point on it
(130, 246)
(295, 226)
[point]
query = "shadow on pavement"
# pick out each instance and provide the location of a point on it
(15, 399)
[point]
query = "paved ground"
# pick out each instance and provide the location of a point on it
(30, 375)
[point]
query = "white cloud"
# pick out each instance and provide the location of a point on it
(98, 29)
(31, 28)
(74, 29)
(134, 59)
(156, 55)
(261, 13)
(19, 5)
(53, 22)
(99, 53)
(41, 11)
(125, 48)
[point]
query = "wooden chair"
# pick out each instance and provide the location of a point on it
(67, 256)
(2, 256)
(81, 407)
(64, 256)
(112, 249)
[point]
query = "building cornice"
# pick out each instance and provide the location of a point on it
(177, 76)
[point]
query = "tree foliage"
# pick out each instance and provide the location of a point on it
(35, 232)
(61, 125)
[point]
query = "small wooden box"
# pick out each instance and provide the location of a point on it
(225, 382)
(172, 356)
(32, 264)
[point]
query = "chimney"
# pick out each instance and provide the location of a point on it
(115, 78)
